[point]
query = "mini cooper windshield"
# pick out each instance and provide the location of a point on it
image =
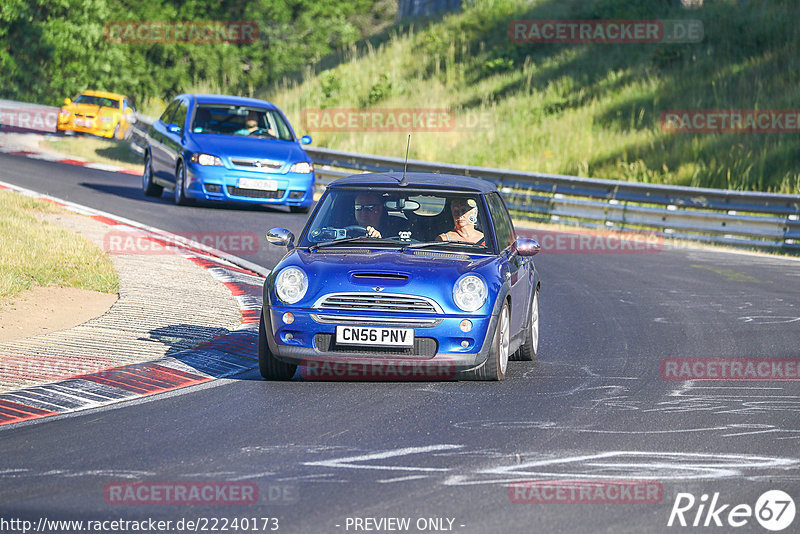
(407, 219)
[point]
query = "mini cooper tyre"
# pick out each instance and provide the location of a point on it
(496, 364)
(270, 367)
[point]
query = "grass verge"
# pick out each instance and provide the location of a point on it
(97, 150)
(39, 253)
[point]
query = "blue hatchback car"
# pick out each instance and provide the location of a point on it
(410, 277)
(227, 148)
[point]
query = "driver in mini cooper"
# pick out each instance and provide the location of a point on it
(371, 213)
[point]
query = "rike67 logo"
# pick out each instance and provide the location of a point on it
(774, 510)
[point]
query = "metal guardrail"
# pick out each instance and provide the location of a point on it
(737, 218)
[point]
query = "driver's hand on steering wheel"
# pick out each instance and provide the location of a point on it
(373, 232)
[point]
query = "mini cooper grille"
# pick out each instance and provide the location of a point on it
(254, 193)
(360, 320)
(383, 302)
(424, 347)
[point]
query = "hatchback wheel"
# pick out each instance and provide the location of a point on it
(150, 189)
(180, 184)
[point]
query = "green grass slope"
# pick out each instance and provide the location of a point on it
(580, 109)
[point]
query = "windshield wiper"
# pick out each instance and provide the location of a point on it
(435, 244)
(350, 240)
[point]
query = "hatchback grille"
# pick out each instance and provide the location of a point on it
(257, 163)
(254, 193)
(384, 302)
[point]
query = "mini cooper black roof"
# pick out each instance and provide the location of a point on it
(416, 180)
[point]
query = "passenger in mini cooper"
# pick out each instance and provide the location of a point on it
(465, 217)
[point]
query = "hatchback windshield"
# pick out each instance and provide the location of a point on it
(240, 120)
(97, 101)
(414, 218)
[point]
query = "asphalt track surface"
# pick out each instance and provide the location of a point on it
(593, 405)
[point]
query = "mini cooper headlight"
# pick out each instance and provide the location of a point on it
(302, 167)
(470, 292)
(291, 285)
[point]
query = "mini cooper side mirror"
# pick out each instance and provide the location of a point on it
(67, 101)
(527, 247)
(305, 140)
(281, 236)
(173, 128)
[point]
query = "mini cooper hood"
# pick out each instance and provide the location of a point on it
(227, 146)
(421, 272)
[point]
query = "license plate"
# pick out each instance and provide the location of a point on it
(261, 185)
(373, 335)
(84, 123)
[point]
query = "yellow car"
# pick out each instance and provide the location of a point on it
(98, 113)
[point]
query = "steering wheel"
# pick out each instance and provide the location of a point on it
(261, 131)
(355, 230)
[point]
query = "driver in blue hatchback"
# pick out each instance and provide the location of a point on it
(251, 125)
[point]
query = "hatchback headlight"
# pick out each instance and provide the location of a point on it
(302, 167)
(469, 292)
(65, 113)
(206, 159)
(291, 285)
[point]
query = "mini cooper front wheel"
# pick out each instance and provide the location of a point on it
(270, 367)
(496, 364)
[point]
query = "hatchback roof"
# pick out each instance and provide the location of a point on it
(229, 100)
(422, 180)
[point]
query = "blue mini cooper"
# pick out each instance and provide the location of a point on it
(417, 277)
(227, 148)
